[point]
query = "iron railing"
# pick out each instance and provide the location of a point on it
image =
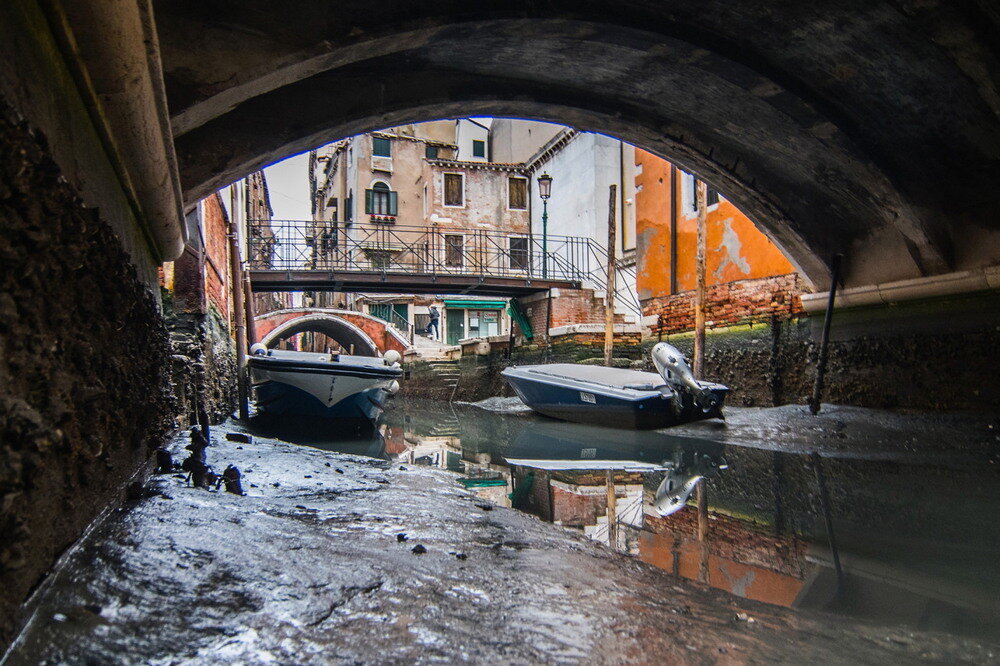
(389, 248)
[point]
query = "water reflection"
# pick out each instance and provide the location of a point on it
(918, 542)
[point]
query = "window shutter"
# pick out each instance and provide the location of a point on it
(393, 207)
(369, 202)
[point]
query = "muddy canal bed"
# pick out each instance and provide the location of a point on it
(381, 555)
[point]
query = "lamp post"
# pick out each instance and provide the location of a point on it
(545, 191)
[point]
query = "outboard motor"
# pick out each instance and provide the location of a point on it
(675, 371)
(674, 491)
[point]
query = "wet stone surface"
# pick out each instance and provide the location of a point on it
(309, 567)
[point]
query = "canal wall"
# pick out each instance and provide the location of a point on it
(939, 354)
(84, 396)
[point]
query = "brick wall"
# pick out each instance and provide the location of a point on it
(732, 303)
(216, 254)
(569, 306)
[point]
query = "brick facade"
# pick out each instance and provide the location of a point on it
(730, 304)
(216, 227)
(569, 306)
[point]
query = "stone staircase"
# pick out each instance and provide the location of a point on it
(448, 373)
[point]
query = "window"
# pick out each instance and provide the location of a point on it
(381, 147)
(334, 204)
(453, 189)
(431, 152)
(380, 200)
(518, 253)
(479, 149)
(349, 207)
(711, 198)
(517, 193)
(454, 250)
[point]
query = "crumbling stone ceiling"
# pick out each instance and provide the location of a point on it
(869, 127)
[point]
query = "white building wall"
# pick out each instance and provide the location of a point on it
(582, 173)
(468, 130)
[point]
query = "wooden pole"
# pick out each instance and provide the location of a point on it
(612, 508)
(701, 197)
(609, 300)
(701, 492)
(239, 315)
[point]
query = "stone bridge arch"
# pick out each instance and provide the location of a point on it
(868, 129)
(370, 336)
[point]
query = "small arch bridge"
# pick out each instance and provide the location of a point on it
(367, 335)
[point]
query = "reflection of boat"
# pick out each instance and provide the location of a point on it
(360, 437)
(619, 398)
(573, 441)
(323, 385)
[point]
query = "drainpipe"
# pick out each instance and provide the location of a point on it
(239, 313)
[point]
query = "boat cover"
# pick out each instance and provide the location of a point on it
(619, 378)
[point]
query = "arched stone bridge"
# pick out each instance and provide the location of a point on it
(370, 336)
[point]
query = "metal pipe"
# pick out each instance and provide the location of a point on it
(817, 395)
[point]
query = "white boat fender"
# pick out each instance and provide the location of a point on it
(392, 357)
(393, 388)
(258, 349)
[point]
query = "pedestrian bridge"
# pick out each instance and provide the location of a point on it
(364, 334)
(303, 255)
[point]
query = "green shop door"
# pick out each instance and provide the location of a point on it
(455, 325)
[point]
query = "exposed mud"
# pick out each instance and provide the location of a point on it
(338, 559)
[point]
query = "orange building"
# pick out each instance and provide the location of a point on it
(748, 277)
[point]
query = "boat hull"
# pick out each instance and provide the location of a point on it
(614, 407)
(309, 387)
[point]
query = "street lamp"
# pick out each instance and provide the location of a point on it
(545, 191)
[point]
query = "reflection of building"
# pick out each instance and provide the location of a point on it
(741, 558)
(262, 243)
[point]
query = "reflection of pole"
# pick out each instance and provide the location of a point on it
(814, 403)
(609, 299)
(824, 498)
(545, 238)
(249, 306)
(701, 196)
(702, 495)
(612, 508)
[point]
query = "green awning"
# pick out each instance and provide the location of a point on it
(475, 305)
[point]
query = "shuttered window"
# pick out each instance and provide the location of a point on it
(453, 189)
(380, 200)
(381, 147)
(518, 253)
(517, 193)
(454, 250)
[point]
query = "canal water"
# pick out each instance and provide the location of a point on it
(905, 539)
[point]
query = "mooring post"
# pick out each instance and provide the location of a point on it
(609, 299)
(814, 403)
(239, 315)
(701, 199)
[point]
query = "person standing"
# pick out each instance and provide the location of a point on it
(433, 329)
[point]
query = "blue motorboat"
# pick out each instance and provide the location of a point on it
(619, 398)
(335, 386)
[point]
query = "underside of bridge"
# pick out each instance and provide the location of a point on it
(869, 128)
(865, 128)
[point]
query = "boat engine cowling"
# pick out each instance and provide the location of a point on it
(675, 371)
